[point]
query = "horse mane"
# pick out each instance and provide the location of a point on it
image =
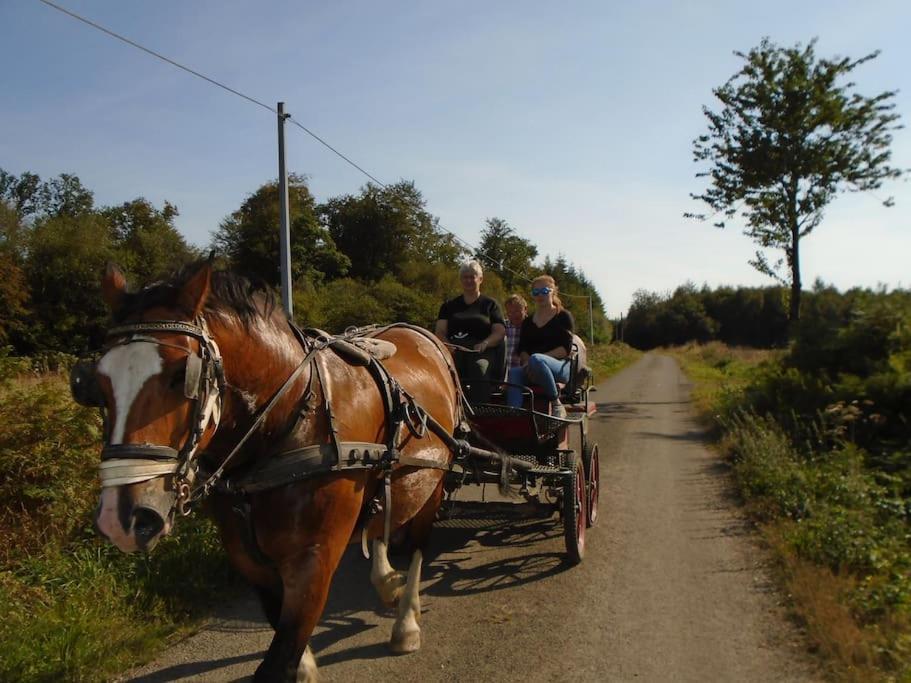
(245, 297)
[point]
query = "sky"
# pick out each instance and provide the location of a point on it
(574, 122)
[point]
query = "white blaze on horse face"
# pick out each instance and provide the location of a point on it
(128, 367)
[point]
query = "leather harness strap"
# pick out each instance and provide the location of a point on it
(313, 460)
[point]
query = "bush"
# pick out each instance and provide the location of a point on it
(74, 607)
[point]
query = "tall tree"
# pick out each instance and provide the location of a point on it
(13, 287)
(789, 136)
(146, 240)
(30, 198)
(384, 229)
(511, 255)
(66, 255)
(249, 237)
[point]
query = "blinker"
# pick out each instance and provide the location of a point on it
(191, 379)
(84, 384)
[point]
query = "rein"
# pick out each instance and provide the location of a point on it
(205, 383)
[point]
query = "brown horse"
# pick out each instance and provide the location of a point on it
(208, 391)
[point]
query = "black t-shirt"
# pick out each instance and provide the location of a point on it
(558, 331)
(468, 324)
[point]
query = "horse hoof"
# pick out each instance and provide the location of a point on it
(405, 642)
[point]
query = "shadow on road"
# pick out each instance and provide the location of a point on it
(179, 671)
(693, 435)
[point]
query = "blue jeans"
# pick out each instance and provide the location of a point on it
(543, 370)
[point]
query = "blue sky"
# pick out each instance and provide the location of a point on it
(574, 122)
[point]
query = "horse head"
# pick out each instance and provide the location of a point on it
(159, 383)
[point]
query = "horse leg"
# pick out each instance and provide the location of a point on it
(388, 582)
(263, 577)
(271, 601)
(406, 631)
(318, 520)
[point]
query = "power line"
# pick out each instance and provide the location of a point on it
(498, 264)
(155, 54)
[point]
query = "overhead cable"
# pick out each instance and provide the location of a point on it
(498, 264)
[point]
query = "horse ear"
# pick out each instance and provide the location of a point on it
(194, 293)
(113, 287)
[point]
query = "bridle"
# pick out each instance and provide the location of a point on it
(204, 384)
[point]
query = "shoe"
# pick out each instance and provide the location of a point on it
(557, 409)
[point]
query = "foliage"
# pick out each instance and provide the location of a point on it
(249, 237)
(606, 360)
(384, 228)
(76, 608)
(820, 445)
(66, 257)
(506, 252)
(33, 199)
(789, 136)
(146, 243)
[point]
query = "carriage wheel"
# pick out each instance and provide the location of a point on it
(574, 509)
(592, 480)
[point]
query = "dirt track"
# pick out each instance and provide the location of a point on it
(672, 587)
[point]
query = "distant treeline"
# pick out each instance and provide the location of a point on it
(741, 316)
(374, 257)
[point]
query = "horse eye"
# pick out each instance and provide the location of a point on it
(178, 379)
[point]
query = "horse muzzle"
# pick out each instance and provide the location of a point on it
(135, 517)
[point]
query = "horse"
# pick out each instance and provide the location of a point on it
(209, 392)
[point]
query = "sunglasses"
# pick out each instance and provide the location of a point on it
(538, 291)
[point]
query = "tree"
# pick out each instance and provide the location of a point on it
(30, 198)
(249, 237)
(146, 240)
(511, 255)
(13, 288)
(789, 137)
(384, 229)
(66, 256)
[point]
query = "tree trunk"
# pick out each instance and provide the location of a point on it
(794, 313)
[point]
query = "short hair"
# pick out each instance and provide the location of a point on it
(474, 266)
(516, 299)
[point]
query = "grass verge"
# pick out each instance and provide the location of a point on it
(76, 609)
(837, 526)
(606, 360)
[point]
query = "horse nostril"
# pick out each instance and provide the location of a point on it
(147, 524)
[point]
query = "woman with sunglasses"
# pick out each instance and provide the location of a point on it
(474, 322)
(545, 343)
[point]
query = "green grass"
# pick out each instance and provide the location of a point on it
(606, 360)
(838, 525)
(75, 608)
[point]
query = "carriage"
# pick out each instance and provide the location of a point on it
(548, 460)
(297, 442)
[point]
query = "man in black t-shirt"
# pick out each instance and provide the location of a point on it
(474, 322)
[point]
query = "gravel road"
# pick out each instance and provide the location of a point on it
(673, 587)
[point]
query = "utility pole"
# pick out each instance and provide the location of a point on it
(284, 238)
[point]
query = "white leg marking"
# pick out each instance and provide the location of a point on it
(306, 670)
(128, 367)
(406, 634)
(388, 582)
